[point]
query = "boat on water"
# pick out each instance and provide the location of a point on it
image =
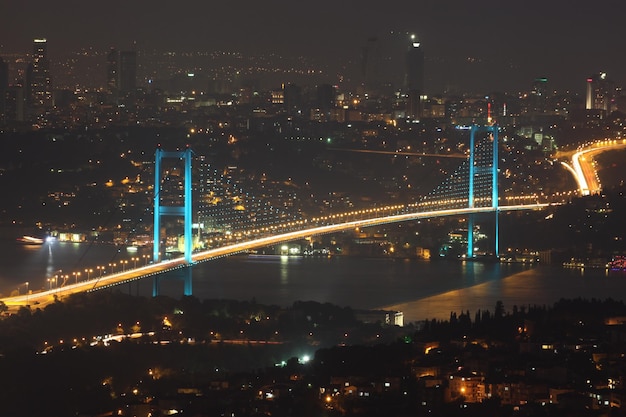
(30, 240)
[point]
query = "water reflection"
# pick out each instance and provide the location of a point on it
(50, 270)
(284, 269)
(542, 285)
(421, 289)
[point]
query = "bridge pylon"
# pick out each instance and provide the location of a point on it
(162, 210)
(484, 170)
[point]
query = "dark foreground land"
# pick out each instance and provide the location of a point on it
(113, 354)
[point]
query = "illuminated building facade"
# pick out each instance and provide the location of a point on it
(469, 387)
(600, 93)
(40, 82)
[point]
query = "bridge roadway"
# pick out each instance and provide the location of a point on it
(41, 299)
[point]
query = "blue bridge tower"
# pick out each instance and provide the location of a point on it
(483, 177)
(184, 210)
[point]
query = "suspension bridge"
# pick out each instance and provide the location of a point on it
(469, 191)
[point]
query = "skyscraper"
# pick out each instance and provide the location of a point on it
(600, 93)
(414, 78)
(112, 70)
(127, 71)
(325, 97)
(383, 64)
(539, 95)
(370, 66)
(414, 75)
(4, 87)
(40, 81)
(293, 99)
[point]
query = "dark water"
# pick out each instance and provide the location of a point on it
(421, 289)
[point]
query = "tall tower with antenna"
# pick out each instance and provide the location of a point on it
(414, 77)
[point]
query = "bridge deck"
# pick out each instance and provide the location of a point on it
(41, 299)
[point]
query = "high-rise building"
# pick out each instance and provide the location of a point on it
(4, 87)
(121, 72)
(383, 64)
(414, 78)
(539, 95)
(414, 75)
(40, 85)
(15, 103)
(293, 99)
(325, 97)
(113, 70)
(600, 93)
(127, 80)
(370, 66)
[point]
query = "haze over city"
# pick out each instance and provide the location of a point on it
(481, 46)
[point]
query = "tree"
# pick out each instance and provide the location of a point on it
(499, 312)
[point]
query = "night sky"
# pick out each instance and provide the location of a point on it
(480, 45)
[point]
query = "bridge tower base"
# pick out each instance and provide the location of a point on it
(184, 210)
(183, 274)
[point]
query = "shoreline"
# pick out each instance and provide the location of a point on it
(522, 288)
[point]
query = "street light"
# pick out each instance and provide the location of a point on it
(123, 265)
(26, 292)
(76, 275)
(101, 269)
(88, 271)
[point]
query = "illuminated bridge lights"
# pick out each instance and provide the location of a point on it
(451, 198)
(155, 269)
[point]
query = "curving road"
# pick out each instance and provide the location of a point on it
(583, 166)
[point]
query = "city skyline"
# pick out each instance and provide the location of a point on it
(477, 47)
